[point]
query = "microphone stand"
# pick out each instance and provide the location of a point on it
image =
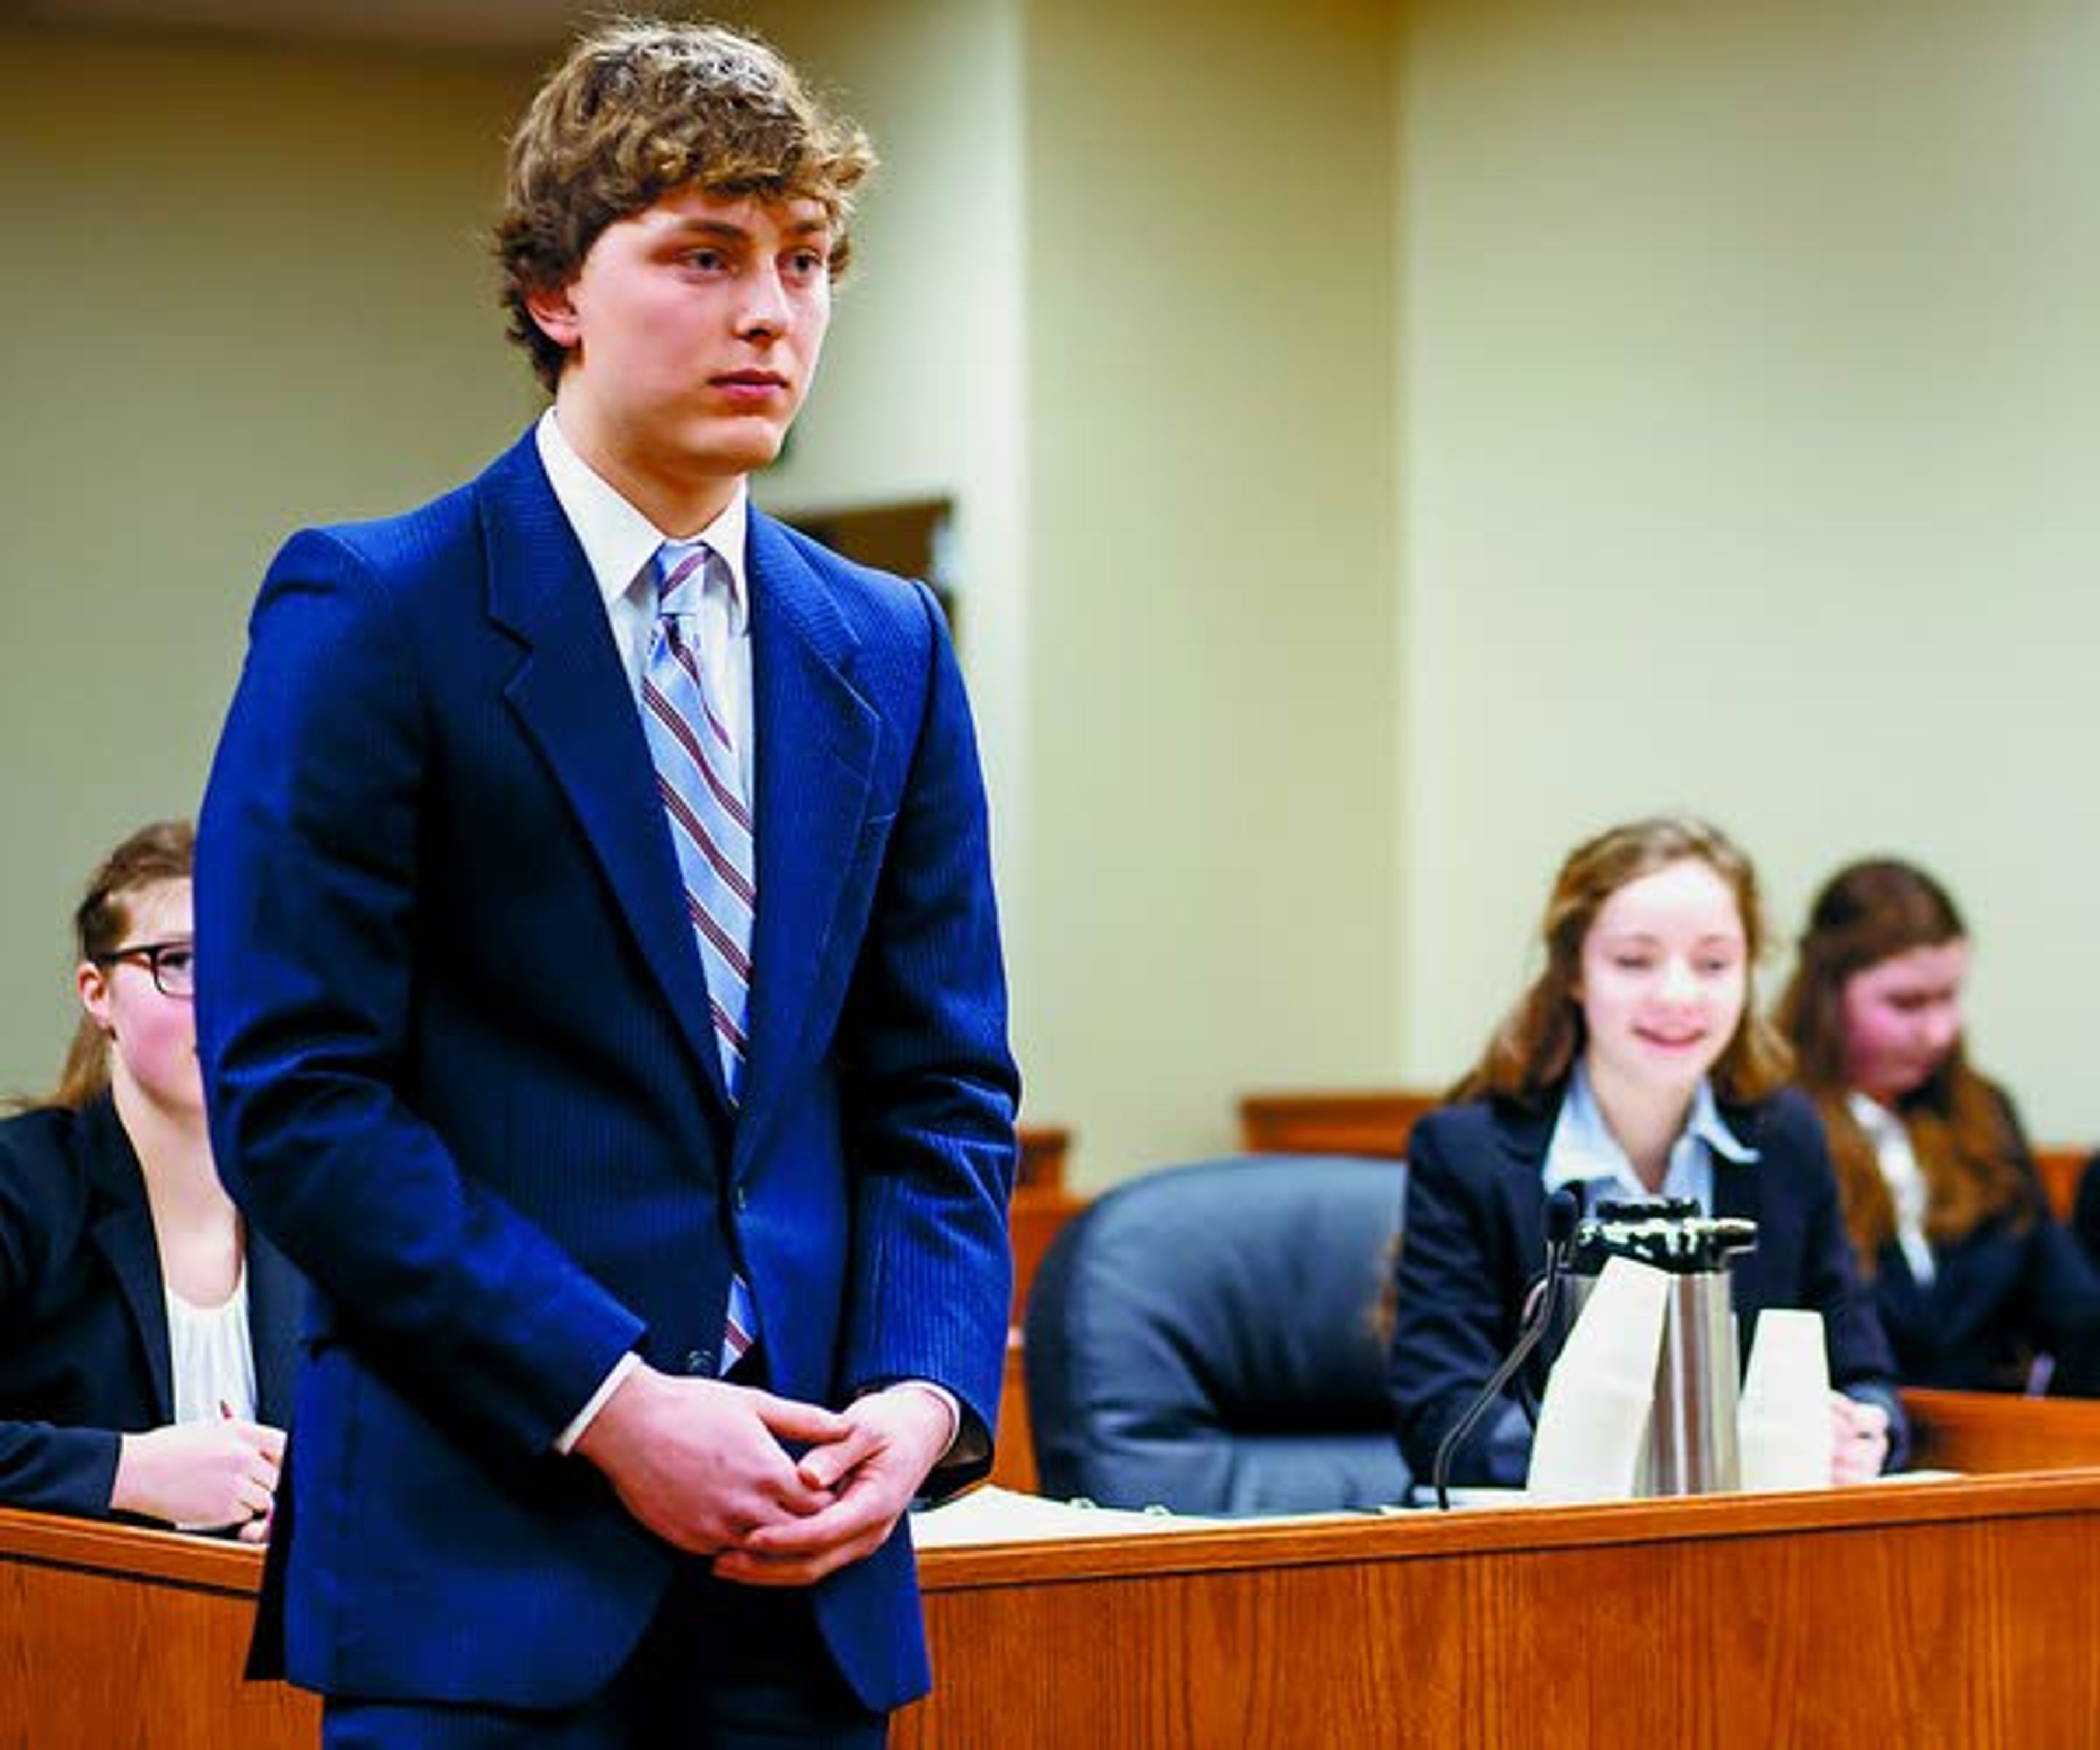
(1564, 1210)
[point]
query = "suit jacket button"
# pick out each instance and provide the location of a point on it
(739, 1198)
(700, 1361)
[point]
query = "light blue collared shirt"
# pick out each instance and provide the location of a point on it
(1584, 1151)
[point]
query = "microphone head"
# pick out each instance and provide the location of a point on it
(1564, 1210)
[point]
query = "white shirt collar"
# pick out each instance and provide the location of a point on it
(1873, 1117)
(619, 542)
(1890, 1137)
(1584, 1151)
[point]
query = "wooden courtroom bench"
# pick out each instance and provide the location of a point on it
(1371, 1121)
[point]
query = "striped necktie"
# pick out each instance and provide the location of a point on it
(700, 779)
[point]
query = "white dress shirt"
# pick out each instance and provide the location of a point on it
(1890, 1136)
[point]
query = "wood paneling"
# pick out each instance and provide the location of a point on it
(2060, 1171)
(1044, 1150)
(1957, 1614)
(113, 1637)
(1042, 1205)
(1991, 1432)
(1963, 1613)
(1368, 1122)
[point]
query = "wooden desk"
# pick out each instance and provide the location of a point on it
(112, 1636)
(1964, 1614)
(1958, 1613)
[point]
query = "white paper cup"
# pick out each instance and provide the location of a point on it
(1784, 1423)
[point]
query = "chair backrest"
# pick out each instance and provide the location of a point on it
(1204, 1339)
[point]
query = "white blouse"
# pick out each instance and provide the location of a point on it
(213, 1360)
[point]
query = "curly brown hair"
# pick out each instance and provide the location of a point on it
(1967, 1147)
(1533, 1051)
(641, 107)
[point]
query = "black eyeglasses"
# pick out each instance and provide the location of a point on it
(172, 963)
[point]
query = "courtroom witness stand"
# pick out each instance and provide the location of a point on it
(145, 1359)
(1635, 1066)
(1973, 1278)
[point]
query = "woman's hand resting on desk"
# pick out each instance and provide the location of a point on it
(201, 1476)
(1859, 1439)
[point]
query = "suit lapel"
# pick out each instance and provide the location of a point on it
(123, 1232)
(816, 739)
(273, 1328)
(1735, 1187)
(571, 695)
(1522, 1136)
(1736, 1194)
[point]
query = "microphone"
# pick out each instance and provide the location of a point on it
(1564, 1211)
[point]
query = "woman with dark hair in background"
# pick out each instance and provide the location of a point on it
(1972, 1276)
(1635, 1066)
(145, 1337)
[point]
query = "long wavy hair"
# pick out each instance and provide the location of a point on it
(164, 851)
(1966, 1148)
(1533, 1051)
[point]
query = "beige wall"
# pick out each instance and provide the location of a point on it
(1213, 710)
(1176, 577)
(924, 391)
(1751, 401)
(1386, 447)
(246, 292)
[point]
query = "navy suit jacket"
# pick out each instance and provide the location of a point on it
(2015, 1284)
(84, 1352)
(456, 1042)
(1474, 1240)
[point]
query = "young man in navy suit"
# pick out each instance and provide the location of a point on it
(600, 999)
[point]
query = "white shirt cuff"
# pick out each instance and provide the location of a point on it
(947, 1400)
(565, 1442)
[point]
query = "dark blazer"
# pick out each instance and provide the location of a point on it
(456, 1042)
(1474, 1240)
(84, 1353)
(2012, 1286)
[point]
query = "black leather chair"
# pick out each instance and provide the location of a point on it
(1204, 1339)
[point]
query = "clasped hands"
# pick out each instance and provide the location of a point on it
(778, 1491)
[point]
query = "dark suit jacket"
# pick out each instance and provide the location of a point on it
(457, 1041)
(2012, 1286)
(84, 1356)
(1474, 1240)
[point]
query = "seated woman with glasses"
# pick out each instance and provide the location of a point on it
(1974, 1280)
(145, 1336)
(1635, 1066)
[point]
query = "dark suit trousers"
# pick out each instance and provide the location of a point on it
(723, 1667)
